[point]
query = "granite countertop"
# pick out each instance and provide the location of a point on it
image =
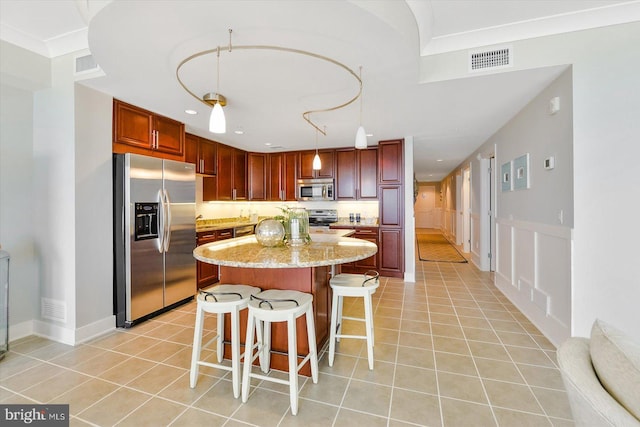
(223, 223)
(324, 249)
(346, 223)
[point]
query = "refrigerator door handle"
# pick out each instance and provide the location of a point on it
(167, 238)
(161, 222)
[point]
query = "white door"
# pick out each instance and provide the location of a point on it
(425, 207)
(466, 210)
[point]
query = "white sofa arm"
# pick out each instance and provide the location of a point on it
(591, 404)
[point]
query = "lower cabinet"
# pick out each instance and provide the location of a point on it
(207, 274)
(391, 252)
(363, 265)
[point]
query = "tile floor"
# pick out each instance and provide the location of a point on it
(450, 350)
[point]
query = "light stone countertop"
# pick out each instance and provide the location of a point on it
(324, 249)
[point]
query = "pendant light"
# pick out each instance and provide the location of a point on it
(317, 165)
(361, 135)
(217, 121)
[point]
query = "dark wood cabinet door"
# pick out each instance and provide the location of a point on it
(207, 157)
(391, 210)
(370, 234)
(305, 165)
(391, 252)
(225, 169)
(207, 274)
(289, 185)
(169, 136)
(191, 143)
(257, 164)
(132, 126)
(240, 175)
(275, 176)
(346, 174)
(209, 188)
(390, 162)
(368, 173)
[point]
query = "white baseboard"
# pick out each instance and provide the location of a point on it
(20, 330)
(95, 329)
(62, 334)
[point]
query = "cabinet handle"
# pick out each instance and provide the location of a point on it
(364, 232)
(201, 165)
(155, 139)
(233, 194)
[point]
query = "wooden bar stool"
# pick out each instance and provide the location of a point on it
(221, 299)
(279, 306)
(352, 285)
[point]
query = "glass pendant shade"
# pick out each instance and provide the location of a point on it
(217, 122)
(361, 138)
(316, 162)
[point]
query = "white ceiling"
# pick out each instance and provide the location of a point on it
(139, 44)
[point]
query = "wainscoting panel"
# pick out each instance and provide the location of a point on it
(533, 270)
(476, 255)
(504, 253)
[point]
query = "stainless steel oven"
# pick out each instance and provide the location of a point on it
(315, 189)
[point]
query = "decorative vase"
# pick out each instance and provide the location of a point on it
(297, 227)
(269, 232)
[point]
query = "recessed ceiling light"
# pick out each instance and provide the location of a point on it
(238, 132)
(192, 112)
(268, 144)
(369, 134)
(439, 160)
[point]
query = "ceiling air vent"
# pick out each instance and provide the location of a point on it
(490, 59)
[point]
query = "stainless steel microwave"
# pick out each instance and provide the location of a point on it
(315, 189)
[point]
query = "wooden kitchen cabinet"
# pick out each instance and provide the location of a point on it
(208, 274)
(139, 131)
(257, 179)
(391, 252)
(390, 162)
(362, 266)
(391, 207)
(202, 153)
(282, 176)
(232, 173)
(305, 164)
(357, 174)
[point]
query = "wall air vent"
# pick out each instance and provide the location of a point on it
(492, 59)
(86, 67)
(53, 309)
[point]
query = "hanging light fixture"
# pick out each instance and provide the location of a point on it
(317, 165)
(361, 135)
(217, 121)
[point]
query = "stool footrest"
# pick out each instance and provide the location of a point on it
(272, 379)
(214, 365)
(360, 337)
(357, 319)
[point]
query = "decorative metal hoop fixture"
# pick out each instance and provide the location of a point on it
(208, 99)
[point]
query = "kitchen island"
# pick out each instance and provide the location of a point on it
(304, 268)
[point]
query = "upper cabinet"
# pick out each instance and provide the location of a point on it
(140, 131)
(257, 179)
(356, 174)
(202, 153)
(282, 176)
(305, 164)
(232, 173)
(390, 168)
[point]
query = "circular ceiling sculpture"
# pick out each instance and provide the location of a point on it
(212, 98)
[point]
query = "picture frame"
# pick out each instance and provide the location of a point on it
(521, 173)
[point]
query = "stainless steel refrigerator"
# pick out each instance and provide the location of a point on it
(154, 236)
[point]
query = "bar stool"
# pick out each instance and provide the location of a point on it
(352, 285)
(279, 306)
(221, 299)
